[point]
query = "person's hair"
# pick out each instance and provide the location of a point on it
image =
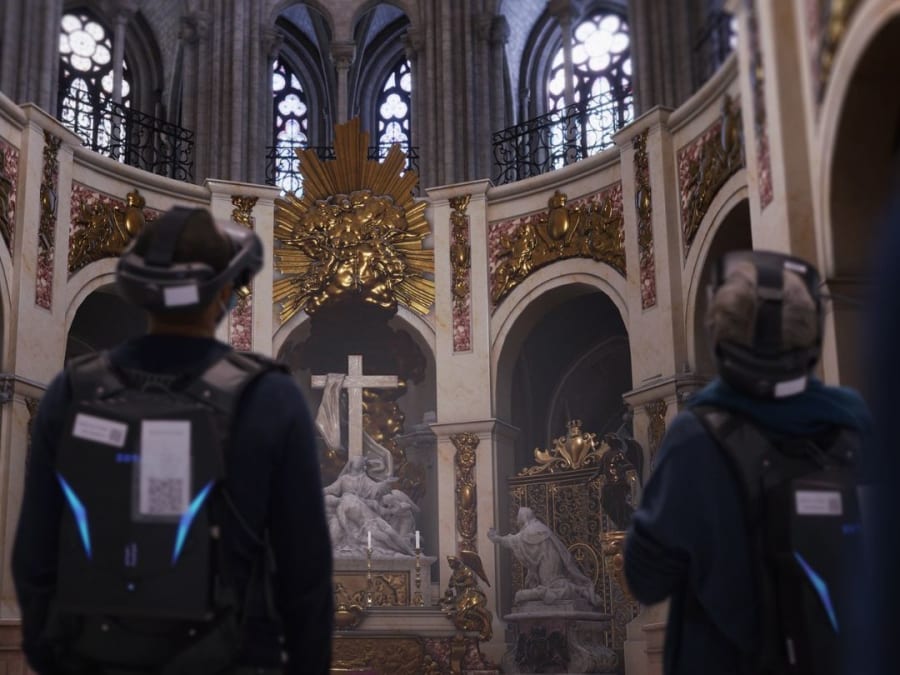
(732, 313)
(200, 241)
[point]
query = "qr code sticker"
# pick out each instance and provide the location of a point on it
(165, 497)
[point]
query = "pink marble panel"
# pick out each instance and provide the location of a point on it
(462, 324)
(241, 328)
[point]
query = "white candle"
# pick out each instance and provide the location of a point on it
(370, 540)
(417, 539)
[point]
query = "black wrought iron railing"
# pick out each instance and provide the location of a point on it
(127, 135)
(283, 166)
(560, 137)
(714, 43)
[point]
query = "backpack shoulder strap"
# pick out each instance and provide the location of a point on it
(93, 376)
(221, 385)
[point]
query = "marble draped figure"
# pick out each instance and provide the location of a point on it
(552, 576)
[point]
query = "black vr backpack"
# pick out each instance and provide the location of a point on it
(142, 580)
(803, 517)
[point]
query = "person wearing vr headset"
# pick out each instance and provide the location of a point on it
(265, 500)
(743, 521)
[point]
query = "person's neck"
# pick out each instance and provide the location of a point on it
(181, 330)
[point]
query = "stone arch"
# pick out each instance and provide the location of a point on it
(726, 227)
(88, 328)
(320, 7)
(860, 120)
(5, 304)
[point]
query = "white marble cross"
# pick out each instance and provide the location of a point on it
(354, 382)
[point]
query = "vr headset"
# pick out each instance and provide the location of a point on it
(767, 369)
(158, 284)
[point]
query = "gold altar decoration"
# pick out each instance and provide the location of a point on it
(460, 251)
(575, 450)
(356, 231)
(394, 655)
(613, 551)
(466, 496)
(388, 589)
(595, 230)
(348, 617)
(243, 210)
(565, 489)
(708, 163)
(104, 230)
(464, 602)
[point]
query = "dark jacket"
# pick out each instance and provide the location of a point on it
(272, 476)
(688, 539)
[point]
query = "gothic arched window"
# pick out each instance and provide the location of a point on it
(394, 106)
(601, 72)
(86, 82)
(291, 125)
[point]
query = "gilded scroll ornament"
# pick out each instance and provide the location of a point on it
(656, 414)
(575, 450)
(589, 229)
(243, 210)
(464, 602)
(355, 232)
(466, 496)
(9, 169)
(834, 17)
(459, 247)
(706, 165)
(613, 549)
(388, 589)
(49, 195)
(103, 230)
(644, 206)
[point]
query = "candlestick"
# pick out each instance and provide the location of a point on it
(417, 599)
(417, 539)
(370, 540)
(369, 575)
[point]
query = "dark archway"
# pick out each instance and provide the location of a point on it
(102, 321)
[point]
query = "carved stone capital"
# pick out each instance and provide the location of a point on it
(414, 42)
(499, 30)
(272, 40)
(194, 27)
(562, 10)
(343, 54)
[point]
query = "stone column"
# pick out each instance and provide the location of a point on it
(122, 17)
(342, 56)
(497, 86)
(413, 45)
(562, 10)
(29, 51)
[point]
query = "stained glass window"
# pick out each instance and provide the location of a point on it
(291, 125)
(601, 65)
(86, 81)
(394, 106)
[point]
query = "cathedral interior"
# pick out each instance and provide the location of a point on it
(508, 208)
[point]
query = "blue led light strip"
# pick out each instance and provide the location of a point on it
(79, 512)
(187, 518)
(821, 588)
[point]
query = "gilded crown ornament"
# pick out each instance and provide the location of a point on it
(575, 450)
(356, 231)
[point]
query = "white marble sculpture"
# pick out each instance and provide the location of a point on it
(359, 508)
(552, 576)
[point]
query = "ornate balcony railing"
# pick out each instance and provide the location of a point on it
(128, 135)
(560, 137)
(715, 42)
(283, 166)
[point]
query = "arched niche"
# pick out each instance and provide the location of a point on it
(103, 320)
(400, 343)
(731, 233)
(861, 135)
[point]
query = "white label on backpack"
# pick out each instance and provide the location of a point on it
(165, 468)
(819, 503)
(100, 430)
(177, 296)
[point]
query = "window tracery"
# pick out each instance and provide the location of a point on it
(291, 125)
(394, 108)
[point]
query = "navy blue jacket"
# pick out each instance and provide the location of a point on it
(689, 541)
(272, 477)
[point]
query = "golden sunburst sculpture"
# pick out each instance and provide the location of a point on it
(357, 231)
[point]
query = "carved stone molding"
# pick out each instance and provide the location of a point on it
(644, 206)
(461, 264)
(705, 164)
(102, 226)
(395, 655)
(43, 288)
(590, 227)
(466, 495)
(7, 386)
